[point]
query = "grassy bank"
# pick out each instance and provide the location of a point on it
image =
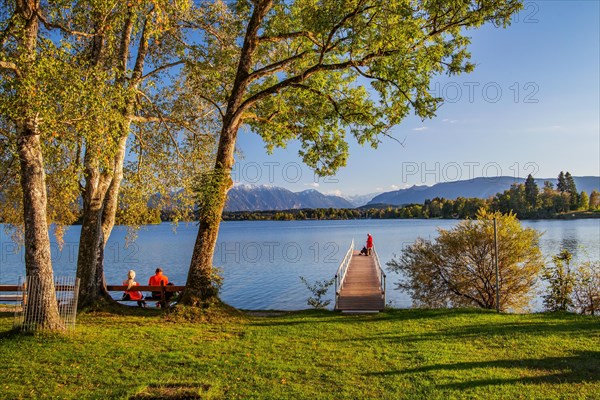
(421, 354)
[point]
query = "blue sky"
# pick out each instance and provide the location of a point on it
(532, 105)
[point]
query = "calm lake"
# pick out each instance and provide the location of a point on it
(262, 261)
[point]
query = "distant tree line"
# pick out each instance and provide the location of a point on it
(528, 201)
(525, 200)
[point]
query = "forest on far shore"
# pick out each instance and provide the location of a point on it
(526, 200)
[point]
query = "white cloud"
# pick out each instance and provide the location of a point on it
(421, 128)
(312, 184)
(394, 187)
(450, 121)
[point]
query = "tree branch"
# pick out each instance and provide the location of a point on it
(78, 152)
(145, 120)
(215, 104)
(11, 66)
(275, 67)
(292, 35)
(204, 27)
(307, 73)
(328, 45)
(350, 63)
(125, 42)
(162, 68)
(138, 69)
(162, 119)
(54, 25)
(373, 77)
(329, 98)
(5, 33)
(384, 133)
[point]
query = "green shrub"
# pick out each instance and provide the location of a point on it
(318, 289)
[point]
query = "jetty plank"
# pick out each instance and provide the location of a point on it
(361, 289)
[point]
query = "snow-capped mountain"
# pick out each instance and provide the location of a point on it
(259, 198)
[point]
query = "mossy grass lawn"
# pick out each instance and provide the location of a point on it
(399, 354)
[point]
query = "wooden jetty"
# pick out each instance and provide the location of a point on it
(360, 283)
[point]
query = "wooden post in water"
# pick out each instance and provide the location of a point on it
(496, 265)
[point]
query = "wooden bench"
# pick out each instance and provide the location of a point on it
(10, 297)
(162, 289)
(14, 292)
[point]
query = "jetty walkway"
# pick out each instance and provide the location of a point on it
(360, 283)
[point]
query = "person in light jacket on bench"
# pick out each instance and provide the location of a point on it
(133, 294)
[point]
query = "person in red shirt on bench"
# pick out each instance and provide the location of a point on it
(156, 280)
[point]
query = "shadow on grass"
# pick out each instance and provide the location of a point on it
(12, 334)
(496, 327)
(313, 317)
(7, 318)
(292, 318)
(543, 325)
(582, 366)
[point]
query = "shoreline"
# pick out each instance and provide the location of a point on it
(571, 216)
(272, 215)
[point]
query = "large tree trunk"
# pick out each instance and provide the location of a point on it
(41, 307)
(90, 260)
(41, 310)
(200, 285)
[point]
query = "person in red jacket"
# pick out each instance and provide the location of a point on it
(369, 244)
(156, 280)
(133, 294)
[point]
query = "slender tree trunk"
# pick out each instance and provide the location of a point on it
(111, 201)
(41, 307)
(101, 195)
(100, 203)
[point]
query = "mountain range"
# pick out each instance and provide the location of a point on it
(258, 198)
(478, 187)
(262, 198)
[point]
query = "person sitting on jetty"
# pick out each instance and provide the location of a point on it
(133, 294)
(155, 280)
(369, 244)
